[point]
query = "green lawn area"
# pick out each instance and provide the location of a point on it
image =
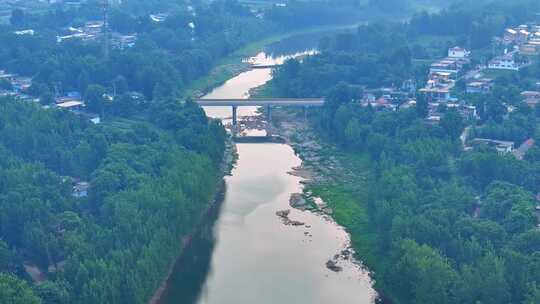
(491, 73)
(120, 124)
(351, 213)
(348, 199)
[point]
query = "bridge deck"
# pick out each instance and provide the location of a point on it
(265, 66)
(314, 102)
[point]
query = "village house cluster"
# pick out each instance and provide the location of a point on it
(442, 77)
(438, 91)
(519, 45)
(525, 38)
(18, 87)
(91, 31)
(443, 74)
(94, 30)
(519, 42)
(73, 102)
(388, 98)
(15, 86)
(524, 42)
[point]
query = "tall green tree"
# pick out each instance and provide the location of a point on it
(94, 98)
(17, 17)
(15, 291)
(452, 123)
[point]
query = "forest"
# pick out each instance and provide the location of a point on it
(451, 227)
(167, 57)
(149, 185)
(384, 54)
(448, 226)
(151, 166)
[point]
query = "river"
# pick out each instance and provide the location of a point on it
(245, 254)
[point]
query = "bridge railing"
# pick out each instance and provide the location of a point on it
(262, 102)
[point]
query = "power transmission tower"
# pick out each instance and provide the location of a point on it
(106, 34)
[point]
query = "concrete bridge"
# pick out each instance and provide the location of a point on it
(260, 102)
(264, 66)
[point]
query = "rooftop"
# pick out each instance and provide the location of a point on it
(69, 104)
(499, 142)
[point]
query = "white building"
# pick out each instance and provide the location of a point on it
(71, 105)
(25, 32)
(502, 147)
(457, 52)
(158, 18)
(505, 62)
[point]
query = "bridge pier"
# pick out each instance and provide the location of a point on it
(268, 113)
(259, 102)
(268, 121)
(234, 115)
(234, 127)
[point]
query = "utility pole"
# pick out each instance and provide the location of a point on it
(106, 38)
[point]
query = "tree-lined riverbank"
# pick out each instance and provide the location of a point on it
(255, 216)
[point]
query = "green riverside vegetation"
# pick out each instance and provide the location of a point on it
(434, 223)
(150, 184)
(151, 167)
(99, 213)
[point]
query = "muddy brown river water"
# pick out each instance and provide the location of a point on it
(245, 254)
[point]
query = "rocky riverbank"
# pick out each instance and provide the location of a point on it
(320, 160)
(321, 165)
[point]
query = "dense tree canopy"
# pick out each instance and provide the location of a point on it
(148, 186)
(451, 226)
(151, 167)
(15, 291)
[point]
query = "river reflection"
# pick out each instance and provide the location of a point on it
(239, 86)
(246, 254)
(294, 43)
(193, 266)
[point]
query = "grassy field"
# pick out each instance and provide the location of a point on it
(491, 73)
(346, 191)
(350, 211)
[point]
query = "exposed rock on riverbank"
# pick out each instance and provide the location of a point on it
(319, 162)
(284, 216)
(302, 172)
(283, 213)
(344, 255)
(320, 165)
(298, 201)
(332, 265)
